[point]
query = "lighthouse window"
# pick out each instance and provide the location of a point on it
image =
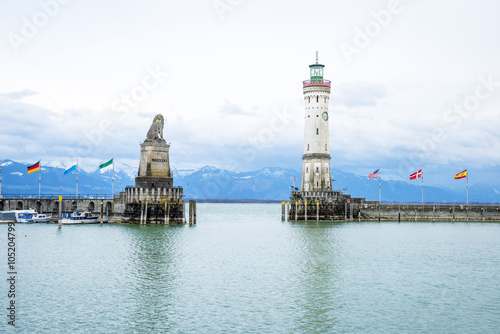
(317, 169)
(326, 149)
(307, 169)
(325, 99)
(308, 147)
(309, 100)
(317, 98)
(317, 131)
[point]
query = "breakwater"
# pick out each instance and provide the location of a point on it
(370, 211)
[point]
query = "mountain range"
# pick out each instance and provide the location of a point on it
(209, 182)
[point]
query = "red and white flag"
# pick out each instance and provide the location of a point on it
(416, 175)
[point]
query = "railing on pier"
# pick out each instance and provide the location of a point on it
(153, 194)
(55, 196)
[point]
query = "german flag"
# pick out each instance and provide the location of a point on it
(34, 168)
(461, 175)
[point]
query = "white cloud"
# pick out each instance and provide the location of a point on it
(226, 78)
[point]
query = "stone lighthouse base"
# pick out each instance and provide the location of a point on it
(322, 205)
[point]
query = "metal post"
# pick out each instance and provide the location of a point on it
(345, 211)
(399, 213)
(282, 211)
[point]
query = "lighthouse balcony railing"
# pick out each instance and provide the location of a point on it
(324, 83)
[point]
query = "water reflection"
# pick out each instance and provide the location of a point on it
(152, 277)
(317, 265)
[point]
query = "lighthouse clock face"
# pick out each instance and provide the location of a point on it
(325, 116)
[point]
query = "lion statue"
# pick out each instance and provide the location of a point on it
(155, 132)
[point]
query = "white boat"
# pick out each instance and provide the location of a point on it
(80, 217)
(32, 217)
(20, 213)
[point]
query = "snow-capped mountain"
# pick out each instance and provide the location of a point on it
(210, 182)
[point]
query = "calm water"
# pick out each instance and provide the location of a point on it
(242, 270)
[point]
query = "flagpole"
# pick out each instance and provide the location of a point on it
(379, 195)
(76, 178)
(467, 173)
(422, 189)
(113, 182)
(379, 188)
(40, 178)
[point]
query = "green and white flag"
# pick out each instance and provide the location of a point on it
(106, 166)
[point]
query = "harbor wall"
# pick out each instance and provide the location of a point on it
(373, 211)
(51, 205)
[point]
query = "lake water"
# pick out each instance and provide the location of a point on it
(242, 270)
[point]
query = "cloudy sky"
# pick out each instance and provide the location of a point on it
(415, 83)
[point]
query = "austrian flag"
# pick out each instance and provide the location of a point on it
(416, 175)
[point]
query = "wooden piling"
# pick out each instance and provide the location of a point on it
(142, 212)
(287, 212)
(317, 211)
(59, 221)
(146, 213)
(194, 212)
(282, 211)
(168, 213)
(165, 214)
(305, 211)
(102, 212)
(296, 209)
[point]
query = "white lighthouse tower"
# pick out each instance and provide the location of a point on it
(316, 174)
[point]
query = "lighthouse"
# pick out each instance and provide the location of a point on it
(316, 174)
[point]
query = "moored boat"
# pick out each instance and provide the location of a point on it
(80, 217)
(32, 217)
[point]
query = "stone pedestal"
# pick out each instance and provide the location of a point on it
(154, 166)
